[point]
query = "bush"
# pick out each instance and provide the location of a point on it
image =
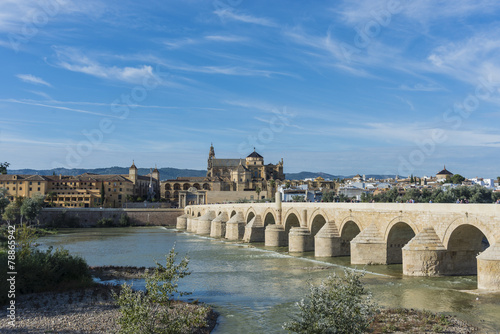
(105, 222)
(124, 220)
(64, 220)
(154, 311)
(39, 271)
(337, 305)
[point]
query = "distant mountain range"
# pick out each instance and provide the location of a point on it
(172, 173)
(165, 173)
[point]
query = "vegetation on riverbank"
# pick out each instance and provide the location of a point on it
(39, 271)
(155, 310)
(340, 304)
(402, 320)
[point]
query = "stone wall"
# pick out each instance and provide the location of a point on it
(225, 196)
(88, 217)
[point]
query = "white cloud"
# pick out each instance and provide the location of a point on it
(36, 103)
(232, 15)
(74, 60)
(33, 79)
(228, 38)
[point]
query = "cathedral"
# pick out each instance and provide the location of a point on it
(243, 174)
(227, 180)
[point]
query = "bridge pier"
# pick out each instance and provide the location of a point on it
(235, 227)
(205, 223)
(275, 236)
(192, 224)
(424, 255)
(218, 228)
(254, 230)
(488, 269)
(300, 240)
(369, 247)
(327, 241)
(182, 222)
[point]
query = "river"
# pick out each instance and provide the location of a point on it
(254, 288)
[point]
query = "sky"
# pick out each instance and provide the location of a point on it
(343, 87)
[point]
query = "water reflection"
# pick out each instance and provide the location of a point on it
(254, 288)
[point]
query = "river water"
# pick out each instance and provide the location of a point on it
(254, 288)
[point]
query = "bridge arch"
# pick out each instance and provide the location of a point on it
(291, 220)
(398, 233)
(233, 212)
(269, 217)
(317, 221)
(348, 231)
(250, 215)
(463, 243)
(490, 234)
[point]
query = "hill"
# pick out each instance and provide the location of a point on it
(165, 173)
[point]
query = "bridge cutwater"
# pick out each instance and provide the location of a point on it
(428, 239)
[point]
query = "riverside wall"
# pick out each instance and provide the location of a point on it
(88, 217)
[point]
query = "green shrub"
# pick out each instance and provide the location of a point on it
(39, 271)
(337, 305)
(105, 222)
(124, 220)
(64, 220)
(154, 311)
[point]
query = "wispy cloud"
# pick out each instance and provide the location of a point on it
(421, 88)
(29, 78)
(226, 38)
(74, 60)
(231, 14)
(33, 103)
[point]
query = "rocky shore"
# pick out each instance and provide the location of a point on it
(90, 310)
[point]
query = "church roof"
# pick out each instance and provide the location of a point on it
(227, 162)
(445, 172)
(255, 155)
(133, 165)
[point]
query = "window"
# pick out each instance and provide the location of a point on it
(20, 188)
(120, 189)
(30, 183)
(31, 189)
(38, 188)
(38, 182)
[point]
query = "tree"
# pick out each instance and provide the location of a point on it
(51, 195)
(298, 198)
(11, 212)
(258, 190)
(31, 207)
(337, 305)
(3, 167)
(153, 311)
(328, 196)
(102, 194)
(4, 200)
(457, 179)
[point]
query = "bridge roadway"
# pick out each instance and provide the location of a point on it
(428, 239)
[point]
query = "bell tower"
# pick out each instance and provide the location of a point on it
(211, 156)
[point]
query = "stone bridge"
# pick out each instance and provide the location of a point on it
(428, 239)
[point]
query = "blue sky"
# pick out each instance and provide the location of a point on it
(343, 87)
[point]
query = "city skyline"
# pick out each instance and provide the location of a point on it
(388, 87)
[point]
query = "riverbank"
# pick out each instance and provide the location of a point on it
(415, 321)
(86, 310)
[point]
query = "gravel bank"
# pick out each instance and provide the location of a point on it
(91, 310)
